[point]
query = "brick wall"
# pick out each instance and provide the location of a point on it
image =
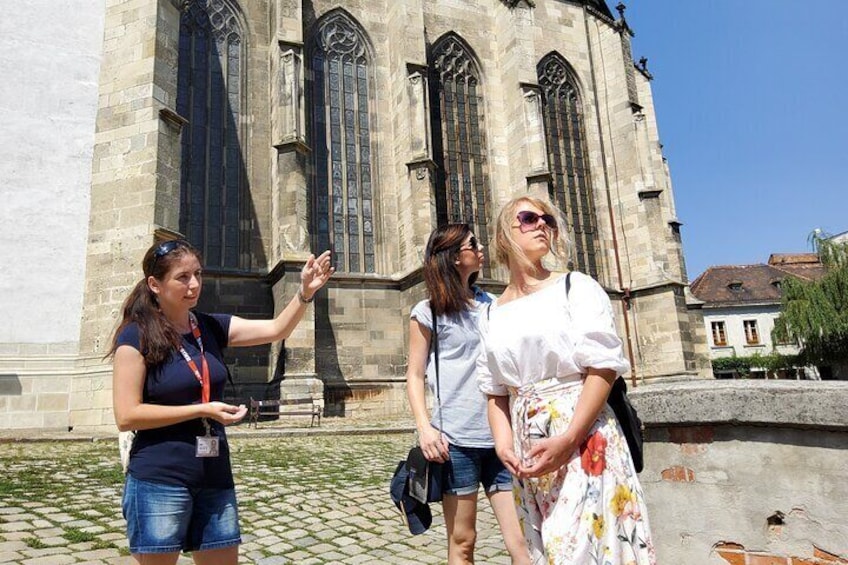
(735, 554)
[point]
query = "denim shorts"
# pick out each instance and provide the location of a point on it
(468, 467)
(164, 518)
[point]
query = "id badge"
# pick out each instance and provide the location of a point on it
(207, 446)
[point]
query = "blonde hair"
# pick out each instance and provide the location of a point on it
(506, 249)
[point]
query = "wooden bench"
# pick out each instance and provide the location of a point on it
(284, 407)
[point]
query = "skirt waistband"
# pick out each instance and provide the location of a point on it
(546, 387)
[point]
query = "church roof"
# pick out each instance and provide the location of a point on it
(598, 5)
(601, 6)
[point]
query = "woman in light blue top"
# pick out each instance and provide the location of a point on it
(458, 432)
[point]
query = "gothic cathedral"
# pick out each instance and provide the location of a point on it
(263, 130)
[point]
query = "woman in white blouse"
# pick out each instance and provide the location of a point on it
(549, 358)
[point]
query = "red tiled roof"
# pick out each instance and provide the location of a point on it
(730, 285)
(793, 259)
(738, 284)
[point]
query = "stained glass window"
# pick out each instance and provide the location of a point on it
(570, 187)
(459, 142)
(209, 95)
(343, 213)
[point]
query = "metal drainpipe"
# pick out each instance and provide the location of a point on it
(626, 297)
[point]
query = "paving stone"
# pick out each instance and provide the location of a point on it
(15, 527)
(276, 560)
(49, 560)
(327, 511)
(10, 510)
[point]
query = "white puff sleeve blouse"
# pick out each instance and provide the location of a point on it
(545, 335)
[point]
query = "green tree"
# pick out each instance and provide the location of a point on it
(815, 313)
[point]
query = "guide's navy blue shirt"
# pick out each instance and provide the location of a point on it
(167, 454)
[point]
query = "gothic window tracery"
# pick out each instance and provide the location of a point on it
(210, 81)
(565, 136)
(343, 211)
(459, 144)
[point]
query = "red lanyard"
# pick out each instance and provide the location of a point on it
(203, 378)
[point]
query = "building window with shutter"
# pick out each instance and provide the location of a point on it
(752, 335)
(719, 334)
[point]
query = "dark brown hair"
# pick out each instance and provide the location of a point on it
(157, 336)
(447, 293)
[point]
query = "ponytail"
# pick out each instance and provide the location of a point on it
(157, 337)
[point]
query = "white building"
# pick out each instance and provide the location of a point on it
(742, 302)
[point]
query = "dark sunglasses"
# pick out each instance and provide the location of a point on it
(473, 244)
(164, 248)
(528, 220)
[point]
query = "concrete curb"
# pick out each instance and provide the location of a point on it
(791, 404)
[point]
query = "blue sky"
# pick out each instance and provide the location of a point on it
(752, 102)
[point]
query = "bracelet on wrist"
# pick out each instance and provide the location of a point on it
(303, 299)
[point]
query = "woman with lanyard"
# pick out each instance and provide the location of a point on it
(168, 382)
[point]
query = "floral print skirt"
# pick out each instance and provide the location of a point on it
(592, 510)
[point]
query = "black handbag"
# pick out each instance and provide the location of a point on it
(425, 477)
(629, 421)
(417, 481)
(624, 411)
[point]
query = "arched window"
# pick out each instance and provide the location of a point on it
(343, 211)
(209, 94)
(459, 144)
(571, 187)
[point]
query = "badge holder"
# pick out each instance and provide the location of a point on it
(207, 446)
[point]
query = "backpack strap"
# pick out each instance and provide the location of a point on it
(567, 290)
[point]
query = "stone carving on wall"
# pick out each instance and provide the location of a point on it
(217, 16)
(339, 37)
(291, 64)
(534, 127)
(419, 143)
(295, 237)
(554, 74)
(452, 60)
(523, 3)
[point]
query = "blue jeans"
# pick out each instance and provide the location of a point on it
(469, 467)
(164, 518)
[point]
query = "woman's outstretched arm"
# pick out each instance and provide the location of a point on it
(316, 272)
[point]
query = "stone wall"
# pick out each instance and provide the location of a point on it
(746, 470)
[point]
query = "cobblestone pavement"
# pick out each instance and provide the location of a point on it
(306, 499)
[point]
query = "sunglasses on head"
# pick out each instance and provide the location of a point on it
(528, 220)
(473, 244)
(164, 248)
